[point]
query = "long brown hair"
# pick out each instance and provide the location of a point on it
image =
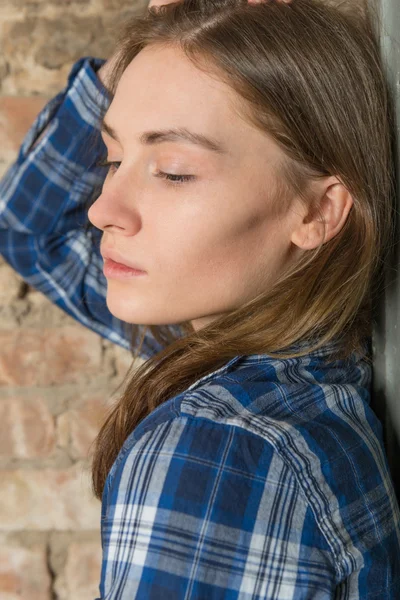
(310, 74)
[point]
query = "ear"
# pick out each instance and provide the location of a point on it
(327, 217)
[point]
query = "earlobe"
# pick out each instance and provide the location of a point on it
(326, 219)
(309, 235)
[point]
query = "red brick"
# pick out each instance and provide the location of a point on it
(48, 499)
(49, 356)
(62, 430)
(17, 114)
(10, 284)
(78, 427)
(26, 428)
(41, 48)
(23, 573)
(124, 360)
(85, 423)
(81, 575)
(42, 310)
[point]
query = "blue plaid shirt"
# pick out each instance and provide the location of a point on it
(266, 479)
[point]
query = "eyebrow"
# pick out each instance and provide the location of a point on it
(180, 134)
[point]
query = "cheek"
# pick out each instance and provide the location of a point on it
(201, 264)
(224, 238)
(220, 251)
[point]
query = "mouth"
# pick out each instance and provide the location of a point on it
(115, 259)
(116, 270)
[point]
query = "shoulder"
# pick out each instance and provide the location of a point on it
(322, 439)
(329, 439)
(293, 463)
(179, 447)
(216, 504)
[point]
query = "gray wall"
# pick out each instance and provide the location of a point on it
(386, 338)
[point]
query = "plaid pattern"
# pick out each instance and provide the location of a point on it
(266, 479)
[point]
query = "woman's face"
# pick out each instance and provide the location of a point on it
(211, 242)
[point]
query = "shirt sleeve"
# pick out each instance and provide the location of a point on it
(45, 234)
(197, 509)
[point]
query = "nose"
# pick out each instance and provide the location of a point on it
(113, 211)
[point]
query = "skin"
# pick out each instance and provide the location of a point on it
(209, 244)
(158, 3)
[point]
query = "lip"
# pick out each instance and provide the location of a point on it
(115, 257)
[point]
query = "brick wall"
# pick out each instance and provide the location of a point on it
(56, 377)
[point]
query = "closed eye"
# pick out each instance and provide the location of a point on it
(175, 179)
(170, 177)
(110, 164)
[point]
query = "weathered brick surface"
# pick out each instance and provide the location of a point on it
(78, 426)
(24, 572)
(48, 499)
(123, 361)
(10, 284)
(16, 116)
(39, 50)
(49, 356)
(27, 428)
(56, 377)
(80, 576)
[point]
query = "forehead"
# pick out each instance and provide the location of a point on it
(161, 88)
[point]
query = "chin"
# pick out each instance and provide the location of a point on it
(134, 312)
(127, 312)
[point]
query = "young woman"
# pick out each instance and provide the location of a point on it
(248, 195)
